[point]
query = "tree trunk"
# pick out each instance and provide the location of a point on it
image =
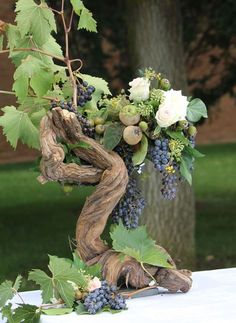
(155, 39)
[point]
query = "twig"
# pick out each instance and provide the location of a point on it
(33, 96)
(130, 294)
(71, 20)
(62, 59)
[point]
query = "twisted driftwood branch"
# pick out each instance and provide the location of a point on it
(108, 171)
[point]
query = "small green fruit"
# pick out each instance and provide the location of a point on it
(132, 135)
(143, 125)
(129, 115)
(183, 124)
(99, 120)
(192, 131)
(165, 84)
(100, 128)
(91, 122)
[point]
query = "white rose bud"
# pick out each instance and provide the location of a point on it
(140, 88)
(172, 109)
(94, 284)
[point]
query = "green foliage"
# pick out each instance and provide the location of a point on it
(136, 243)
(185, 168)
(8, 290)
(63, 272)
(7, 313)
(93, 271)
(35, 19)
(1, 42)
(177, 135)
(86, 20)
(27, 313)
(112, 135)
(196, 110)
(193, 152)
(18, 125)
(140, 155)
(58, 311)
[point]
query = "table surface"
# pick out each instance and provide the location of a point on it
(212, 299)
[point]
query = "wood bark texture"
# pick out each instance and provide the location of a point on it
(107, 170)
(155, 39)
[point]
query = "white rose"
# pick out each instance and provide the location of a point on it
(94, 284)
(172, 109)
(140, 88)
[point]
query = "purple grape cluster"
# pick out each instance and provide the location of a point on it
(106, 295)
(161, 158)
(63, 105)
(87, 129)
(130, 207)
(85, 92)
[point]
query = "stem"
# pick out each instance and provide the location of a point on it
(71, 20)
(33, 96)
(62, 59)
(146, 271)
(130, 294)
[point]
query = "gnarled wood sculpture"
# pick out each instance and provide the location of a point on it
(108, 171)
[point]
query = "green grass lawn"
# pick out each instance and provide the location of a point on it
(37, 220)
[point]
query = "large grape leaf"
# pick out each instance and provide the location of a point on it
(27, 313)
(35, 19)
(7, 313)
(86, 20)
(45, 282)
(17, 125)
(8, 290)
(136, 243)
(35, 73)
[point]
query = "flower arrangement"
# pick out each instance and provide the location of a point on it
(89, 137)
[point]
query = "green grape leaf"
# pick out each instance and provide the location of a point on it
(45, 282)
(177, 135)
(1, 42)
(136, 243)
(52, 47)
(196, 110)
(27, 313)
(86, 18)
(35, 73)
(140, 155)
(35, 19)
(94, 270)
(193, 152)
(185, 164)
(112, 135)
(58, 311)
(80, 309)
(37, 116)
(17, 125)
(8, 290)
(7, 312)
(87, 21)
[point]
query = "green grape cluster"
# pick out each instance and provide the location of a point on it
(176, 148)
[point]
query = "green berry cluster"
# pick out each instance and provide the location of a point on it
(145, 109)
(176, 148)
(157, 95)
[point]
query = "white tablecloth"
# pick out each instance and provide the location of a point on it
(212, 299)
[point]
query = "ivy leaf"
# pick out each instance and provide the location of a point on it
(58, 311)
(7, 312)
(136, 243)
(35, 19)
(87, 21)
(17, 125)
(193, 152)
(8, 290)
(112, 136)
(141, 153)
(86, 18)
(27, 313)
(177, 135)
(45, 282)
(196, 110)
(185, 164)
